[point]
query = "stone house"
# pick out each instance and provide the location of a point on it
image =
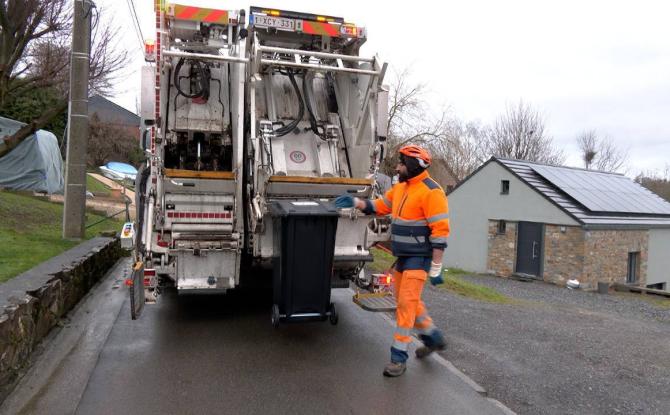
(559, 223)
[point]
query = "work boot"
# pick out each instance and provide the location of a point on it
(394, 369)
(433, 343)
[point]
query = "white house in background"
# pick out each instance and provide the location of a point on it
(559, 223)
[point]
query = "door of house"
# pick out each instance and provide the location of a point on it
(529, 248)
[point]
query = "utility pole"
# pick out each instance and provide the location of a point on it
(77, 130)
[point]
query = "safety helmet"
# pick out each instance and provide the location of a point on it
(414, 151)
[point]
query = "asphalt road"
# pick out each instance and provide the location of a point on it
(219, 354)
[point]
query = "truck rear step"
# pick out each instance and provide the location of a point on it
(375, 302)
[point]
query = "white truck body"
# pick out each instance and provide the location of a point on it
(192, 223)
(218, 156)
(344, 93)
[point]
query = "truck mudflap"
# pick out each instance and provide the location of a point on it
(136, 290)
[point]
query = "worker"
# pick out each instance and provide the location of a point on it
(419, 231)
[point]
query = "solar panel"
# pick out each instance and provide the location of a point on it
(604, 192)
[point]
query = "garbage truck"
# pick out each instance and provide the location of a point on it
(242, 119)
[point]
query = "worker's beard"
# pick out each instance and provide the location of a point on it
(412, 166)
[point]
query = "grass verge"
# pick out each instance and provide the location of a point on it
(95, 186)
(30, 232)
(382, 261)
(455, 280)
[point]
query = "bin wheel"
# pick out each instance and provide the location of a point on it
(334, 318)
(275, 316)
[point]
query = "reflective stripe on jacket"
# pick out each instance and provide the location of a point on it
(420, 215)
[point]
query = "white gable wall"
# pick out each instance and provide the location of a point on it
(658, 259)
(477, 200)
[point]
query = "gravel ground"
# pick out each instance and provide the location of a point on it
(559, 351)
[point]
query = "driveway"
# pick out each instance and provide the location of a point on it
(558, 351)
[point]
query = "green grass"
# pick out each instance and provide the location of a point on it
(94, 186)
(30, 232)
(382, 261)
(455, 280)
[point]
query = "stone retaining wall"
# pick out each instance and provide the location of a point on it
(32, 303)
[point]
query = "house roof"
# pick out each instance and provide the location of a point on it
(588, 196)
(110, 112)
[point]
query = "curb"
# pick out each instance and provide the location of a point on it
(453, 369)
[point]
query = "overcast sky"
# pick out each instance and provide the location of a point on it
(588, 64)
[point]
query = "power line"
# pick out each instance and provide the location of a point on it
(136, 25)
(134, 13)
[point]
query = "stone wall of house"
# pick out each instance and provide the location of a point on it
(501, 256)
(563, 253)
(606, 255)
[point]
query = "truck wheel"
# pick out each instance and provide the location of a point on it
(275, 315)
(334, 318)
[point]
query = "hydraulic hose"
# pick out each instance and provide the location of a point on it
(313, 122)
(202, 80)
(282, 131)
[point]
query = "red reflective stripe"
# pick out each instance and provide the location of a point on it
(317, 28)
(198, 215)
(187, 12)
(215, 16)
(331, 29)
(149, 272)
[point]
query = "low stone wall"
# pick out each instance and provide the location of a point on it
(32, 303)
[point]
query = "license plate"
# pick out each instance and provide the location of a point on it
(280, 23)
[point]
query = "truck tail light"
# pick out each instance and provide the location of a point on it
(160, 242)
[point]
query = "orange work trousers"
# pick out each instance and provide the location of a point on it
(411, 312)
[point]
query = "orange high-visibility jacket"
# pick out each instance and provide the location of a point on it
(420, 215)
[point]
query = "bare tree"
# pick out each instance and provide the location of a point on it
(458, 148)
(410, 121)
(35, 53)
(24, 24)
(109, 142)
(587, 146)
(657, 182)
(520, 134)
(600, 153)
(453, 143)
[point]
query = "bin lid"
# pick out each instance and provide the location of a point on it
(303, 208)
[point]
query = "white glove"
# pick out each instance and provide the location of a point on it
(435, 274)
(435, 269)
